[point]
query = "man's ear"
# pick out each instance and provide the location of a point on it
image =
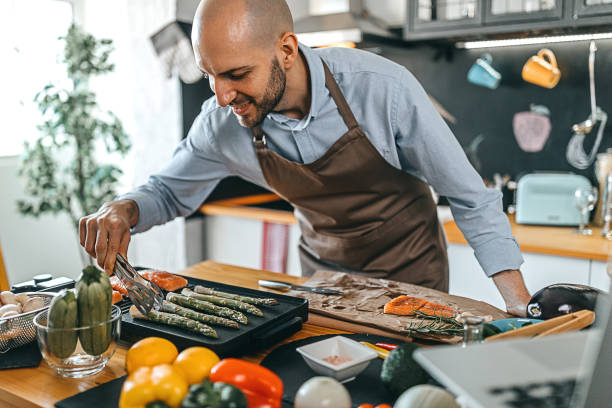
(288, 49)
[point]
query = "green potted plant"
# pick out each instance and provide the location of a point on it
(61, 168)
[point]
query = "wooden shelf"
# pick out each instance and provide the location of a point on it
(238, 207)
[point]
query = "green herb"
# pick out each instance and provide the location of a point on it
(434, 324)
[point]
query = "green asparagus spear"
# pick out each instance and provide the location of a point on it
(246, 299)
(201, 317)
(206, 307)
(175, 320)
(231, 303)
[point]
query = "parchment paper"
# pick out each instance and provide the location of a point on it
(364, 298)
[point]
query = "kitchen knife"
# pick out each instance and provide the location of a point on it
(278, 285)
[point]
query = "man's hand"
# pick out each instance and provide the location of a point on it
(107, 232)
(512, 288)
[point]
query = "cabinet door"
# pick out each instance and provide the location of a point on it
(502, 11)
(431, 15)
(543, 270)
(233, 240)
(587, 8)
(599, 276)
(467, 279)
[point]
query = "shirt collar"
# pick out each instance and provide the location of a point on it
(317, 89)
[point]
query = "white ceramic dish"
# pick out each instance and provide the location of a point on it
(357, 357)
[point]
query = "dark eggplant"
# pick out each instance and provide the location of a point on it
(561, 298)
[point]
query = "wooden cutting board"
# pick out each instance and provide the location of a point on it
(361, 306)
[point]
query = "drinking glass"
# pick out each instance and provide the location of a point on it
(585, 199)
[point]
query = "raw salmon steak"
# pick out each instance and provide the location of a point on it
(118, 285)
(404, 305)
(165, 280)
(407, 305)
(116, 296)
(436, 309)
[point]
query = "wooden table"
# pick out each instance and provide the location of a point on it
(42, 387)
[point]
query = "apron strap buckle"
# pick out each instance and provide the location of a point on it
(260, 140)
(259, 137)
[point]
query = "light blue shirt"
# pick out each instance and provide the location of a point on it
(396, 115)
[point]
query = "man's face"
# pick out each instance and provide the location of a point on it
(250, 81)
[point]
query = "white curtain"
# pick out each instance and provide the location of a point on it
(147, 103)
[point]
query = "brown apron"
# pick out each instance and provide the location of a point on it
(358, 213)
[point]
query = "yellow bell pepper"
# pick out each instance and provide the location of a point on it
(148, 384)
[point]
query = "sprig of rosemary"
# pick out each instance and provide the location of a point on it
(435, 324)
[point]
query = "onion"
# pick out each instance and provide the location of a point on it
(426, 396)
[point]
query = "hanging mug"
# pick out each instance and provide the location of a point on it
(483, 74)
(542, 69)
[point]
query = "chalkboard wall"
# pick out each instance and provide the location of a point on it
(481, 111)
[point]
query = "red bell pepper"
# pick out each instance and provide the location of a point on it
(386, 346)
(261, 387)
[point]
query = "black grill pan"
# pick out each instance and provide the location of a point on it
(278, 322)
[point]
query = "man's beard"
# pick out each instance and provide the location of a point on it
(275, 89)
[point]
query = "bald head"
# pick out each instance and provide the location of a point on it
(260, 23)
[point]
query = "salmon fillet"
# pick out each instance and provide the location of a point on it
(436, 309)
(404, 305)
(165, 280)
(118, 285)
(407, 305)
(116, 296)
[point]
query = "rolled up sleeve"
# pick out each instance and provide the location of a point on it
(427, 147)
(184, 183)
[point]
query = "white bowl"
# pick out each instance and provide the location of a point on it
(352, 357)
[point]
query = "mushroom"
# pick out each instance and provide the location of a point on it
(9, 308)
(33, 303)
(22, 298)
(8, 298)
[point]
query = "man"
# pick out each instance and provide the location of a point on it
(349, 138)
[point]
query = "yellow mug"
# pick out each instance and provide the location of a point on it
(542, 69)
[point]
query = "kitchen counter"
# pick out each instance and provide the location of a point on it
(42, 387)
(557, 241)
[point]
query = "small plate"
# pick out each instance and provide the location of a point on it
(513, 323)
(351, 357)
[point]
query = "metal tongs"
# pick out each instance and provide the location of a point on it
(144, 294)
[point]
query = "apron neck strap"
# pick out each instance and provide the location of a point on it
(341, 103)
(259, 139)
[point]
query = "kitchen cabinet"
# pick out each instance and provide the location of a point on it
(508, 11)
(444, 19)
(428, 15)
(589, 8)
(467, 278)
(238, 241)
(599, 276)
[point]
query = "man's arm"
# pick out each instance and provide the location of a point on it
(512, 288)
(428, 148)
(177, 190)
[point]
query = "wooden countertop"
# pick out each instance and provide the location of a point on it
(42, 387)
(557, 241)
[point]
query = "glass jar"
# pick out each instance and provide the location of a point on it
(473, 327)
(603, 166)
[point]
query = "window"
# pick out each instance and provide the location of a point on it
(30, 51)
